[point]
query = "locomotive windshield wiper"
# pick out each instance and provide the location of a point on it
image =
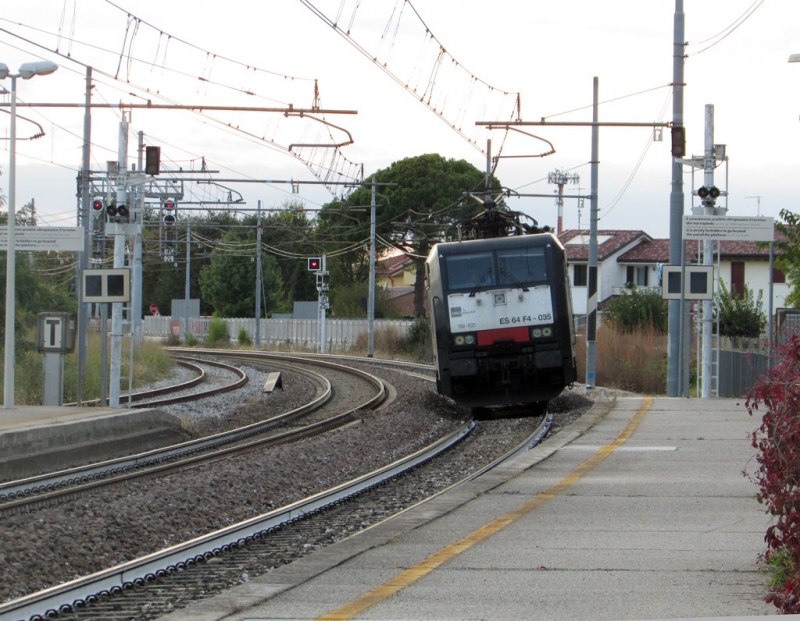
(510, 278)
(486, 274)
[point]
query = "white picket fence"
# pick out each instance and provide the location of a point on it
(300, 334)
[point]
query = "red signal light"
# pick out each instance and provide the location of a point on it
(314, 264)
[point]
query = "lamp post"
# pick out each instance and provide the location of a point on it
(26, 72)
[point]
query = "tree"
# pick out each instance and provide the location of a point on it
(788, 261)
(228, 283)
(428, 196)
(741, 315)
(637, 311)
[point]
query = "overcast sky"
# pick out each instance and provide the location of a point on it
(548, 51)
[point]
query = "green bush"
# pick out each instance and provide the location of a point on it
(418, 339)
(741, 316)
(151, 363)
(243, 338)
(191, 340)
(641, 310)
(217, 332)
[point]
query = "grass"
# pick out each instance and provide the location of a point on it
(779, 566)
(151, 364)
(635, 361)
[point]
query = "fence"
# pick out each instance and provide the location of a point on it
(738, 371)
(301, 334)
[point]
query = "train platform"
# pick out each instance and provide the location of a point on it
(639, 510)
(37, 439)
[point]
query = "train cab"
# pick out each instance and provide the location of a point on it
(502, 320)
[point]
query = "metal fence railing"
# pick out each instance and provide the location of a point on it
(301, 334)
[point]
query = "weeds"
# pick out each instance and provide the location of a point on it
(150, 364)
(634, 361)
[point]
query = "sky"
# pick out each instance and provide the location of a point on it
(521, 59)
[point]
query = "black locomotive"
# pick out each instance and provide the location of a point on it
(501, 313)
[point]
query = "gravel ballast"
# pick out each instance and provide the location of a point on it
(126, 521)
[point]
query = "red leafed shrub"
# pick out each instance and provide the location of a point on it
(777, 394)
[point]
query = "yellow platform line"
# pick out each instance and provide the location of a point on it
(411, 575)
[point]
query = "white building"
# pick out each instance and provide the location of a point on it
(626, 258)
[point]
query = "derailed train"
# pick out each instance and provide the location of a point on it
(501, 318)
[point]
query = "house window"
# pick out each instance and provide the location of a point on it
(636, 276)
(737, 280)
(580, 275)
(778, 277)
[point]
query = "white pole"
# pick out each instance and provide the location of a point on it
(708, 254)
(119, 261)
(11, 255)
(371, 298)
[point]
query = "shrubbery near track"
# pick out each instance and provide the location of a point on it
(777, 395)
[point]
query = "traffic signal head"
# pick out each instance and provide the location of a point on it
(111, 210)
(314, 264)
(98, 206)
(152, 160)
(712, 192)
(170, 213)
(123, 212)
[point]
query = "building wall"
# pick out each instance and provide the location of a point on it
(756, 277)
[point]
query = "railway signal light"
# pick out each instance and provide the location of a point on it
(314, 264)
(152, 160)
(712, 192)
(170, 213)
(98, 207)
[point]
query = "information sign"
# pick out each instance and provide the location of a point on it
(729, 228)
(40, 238)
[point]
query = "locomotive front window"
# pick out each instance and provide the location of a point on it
(522, 266)
(468, 272)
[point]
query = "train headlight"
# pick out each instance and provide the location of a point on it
(464, 340)
(541, 332)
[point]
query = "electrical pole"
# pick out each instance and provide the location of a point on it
(257, 331)
(119, 262)
(371, 298)
(187, 286)
(591, 293)
(84, 220)
(708, 250)
(322, 310)
(676, 254)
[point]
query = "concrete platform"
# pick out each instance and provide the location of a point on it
(38, 439)
(637, 512)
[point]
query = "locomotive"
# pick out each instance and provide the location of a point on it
(501, 315)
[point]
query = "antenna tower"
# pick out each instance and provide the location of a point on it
(561, 178)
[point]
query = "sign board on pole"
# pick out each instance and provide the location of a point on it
(699, 284)
(40, 238)
(55, 332)
(729, 228)
(107, 285)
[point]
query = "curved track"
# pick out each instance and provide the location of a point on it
(156, 567)
(29, 494)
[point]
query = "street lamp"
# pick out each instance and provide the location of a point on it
(26, 72)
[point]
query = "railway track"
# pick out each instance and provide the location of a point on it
(178, 575)
(137, 588)
(45, 490)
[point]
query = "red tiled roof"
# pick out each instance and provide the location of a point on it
(657, 251)
(650, 250)
(393, 265)
(619, 239)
